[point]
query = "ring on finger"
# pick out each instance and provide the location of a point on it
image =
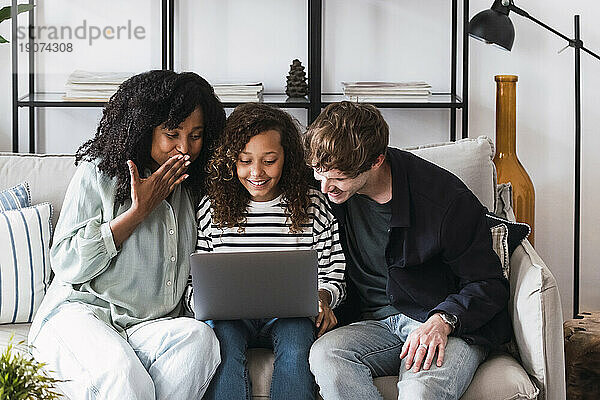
(423, 345)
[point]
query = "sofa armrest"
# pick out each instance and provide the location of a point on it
(536, 314)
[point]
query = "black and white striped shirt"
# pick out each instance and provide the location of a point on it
(267, 229)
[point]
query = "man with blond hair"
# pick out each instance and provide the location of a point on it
(425, 289)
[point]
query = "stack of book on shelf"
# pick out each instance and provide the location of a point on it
(239, 92)
(386, 92)
(93, 86)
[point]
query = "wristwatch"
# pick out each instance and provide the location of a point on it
(450, 319)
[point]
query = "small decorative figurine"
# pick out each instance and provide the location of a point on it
(296, 80)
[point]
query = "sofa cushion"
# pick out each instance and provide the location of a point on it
(18, 331)
(500, 377)
(260, 368)
(504, 201)
(15, 197)
(536, 313)
(24, 264)
(48, 176)
(470, 160)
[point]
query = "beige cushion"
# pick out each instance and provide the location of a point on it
(470, 160)
(536, 313)
(20, 332)
(504, 200)
(500, 377)
(260, 367)
(48, 176)
(534, 294)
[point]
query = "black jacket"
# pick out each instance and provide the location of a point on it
(439, 254)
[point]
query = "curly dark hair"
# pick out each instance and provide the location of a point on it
(228, 196)
(142, 103)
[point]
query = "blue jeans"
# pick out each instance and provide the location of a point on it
(345, 361)
(290, 339)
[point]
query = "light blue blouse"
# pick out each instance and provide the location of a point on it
(143, 280)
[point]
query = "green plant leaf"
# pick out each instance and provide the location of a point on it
(23, 378)
(21, 8)
(2, 40)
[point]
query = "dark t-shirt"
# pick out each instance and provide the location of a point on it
(367, 236)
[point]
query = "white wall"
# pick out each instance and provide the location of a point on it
(545, 130)
(364, 40)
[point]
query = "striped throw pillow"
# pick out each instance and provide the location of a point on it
(500, 246)
(15, 197)
(24, 264)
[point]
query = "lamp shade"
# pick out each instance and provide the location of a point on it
(493, 27)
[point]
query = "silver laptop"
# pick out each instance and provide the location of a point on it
(255, 284)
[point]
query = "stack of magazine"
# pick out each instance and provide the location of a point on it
(239, 92)
(93, 86)
(381, 92)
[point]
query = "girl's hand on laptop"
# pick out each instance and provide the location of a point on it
(326, 319)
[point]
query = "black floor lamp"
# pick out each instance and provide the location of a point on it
(493, 26)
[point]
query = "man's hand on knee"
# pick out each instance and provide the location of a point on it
(423, 343)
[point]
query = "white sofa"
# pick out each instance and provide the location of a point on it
(535, 371)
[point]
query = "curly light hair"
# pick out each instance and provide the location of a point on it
(141, 103)
(229, 199)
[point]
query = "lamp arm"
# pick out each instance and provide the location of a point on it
(511, 6)
(591, 53)
(573, 43)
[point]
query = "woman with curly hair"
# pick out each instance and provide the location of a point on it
(111, 324)
(259, 199)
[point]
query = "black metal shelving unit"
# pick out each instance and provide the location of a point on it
(313, 104)
(451, 100)
(33, 99)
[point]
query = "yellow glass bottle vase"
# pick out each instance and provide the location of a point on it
(507, 163)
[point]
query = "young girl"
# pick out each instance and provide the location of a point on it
(110, 324)
(259, 199)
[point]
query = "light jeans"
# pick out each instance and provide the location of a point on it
(345, 361)
(164, 359)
